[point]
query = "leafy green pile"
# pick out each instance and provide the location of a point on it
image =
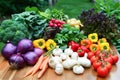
(68, 33)
(99, 23)
(12, 31)
(35, 23)
(54, 13)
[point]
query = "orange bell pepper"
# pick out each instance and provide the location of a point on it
(94, 47)
(86, 43)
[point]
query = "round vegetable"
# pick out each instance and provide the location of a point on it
(16, 61)
(24, 46)
(8, 50)
(38, 51)
(30, 58)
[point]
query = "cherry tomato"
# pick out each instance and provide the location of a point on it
(94, 58)
(96, 64)
(90, 54)
(115, 58)
(109, 59)
(102, 71)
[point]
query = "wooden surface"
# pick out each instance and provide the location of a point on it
(7, 74)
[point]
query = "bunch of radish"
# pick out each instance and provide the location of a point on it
(56, 23)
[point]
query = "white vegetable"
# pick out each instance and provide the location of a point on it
(63, 56)
(69, 63)
(59, 69)
(74, 56)
(68, 51)
(77, 69)
(57, 51)
(84, 61)
(54, 60)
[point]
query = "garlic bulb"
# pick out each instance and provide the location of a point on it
(77, 69)
(54, 60)
(69, 63)
(74, 56)
(59, 69)
(57, 51)
(84, 61)
(68, 51)
(63, 56)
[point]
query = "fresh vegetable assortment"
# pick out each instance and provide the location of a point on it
(50, 39)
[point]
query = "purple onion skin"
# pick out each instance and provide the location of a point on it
(16, 61)
(24, 46)
(38, 51)
(8, 50)
(31, 58)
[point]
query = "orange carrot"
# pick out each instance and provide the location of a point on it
(35, 66)
(41, 59)
(44, 67)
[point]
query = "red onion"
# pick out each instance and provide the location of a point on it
(16, 61)
(8, 50)
(24, 46)
(30, 58)
(38, 51)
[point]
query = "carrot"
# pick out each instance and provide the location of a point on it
(35, 66)
(41, 59)
(44, 67)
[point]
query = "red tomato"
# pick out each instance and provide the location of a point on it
(90, 54)
(109, 66)
(96, 64)
(115, 58)
(97, 53)
(94, 58)
(109, 59)
(102, 71)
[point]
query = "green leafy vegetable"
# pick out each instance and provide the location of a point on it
(99, 23)
(12, 31)
(35, 23)
(68, 33)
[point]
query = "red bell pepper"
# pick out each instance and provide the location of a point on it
(85, 49)
(73, 45)
(80, 52)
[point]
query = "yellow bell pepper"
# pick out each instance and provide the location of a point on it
(105, 46)
(39, 43)
(93, 37)
(50, 44)
(103, 40)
